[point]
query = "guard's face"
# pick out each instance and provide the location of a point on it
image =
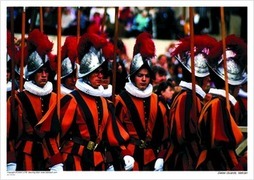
(95, 77)
(142, 79)
(206, 83)
(41, 77)
(70, 82)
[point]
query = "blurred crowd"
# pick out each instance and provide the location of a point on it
(162, 22)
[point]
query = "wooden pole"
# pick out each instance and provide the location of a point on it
(33, 19)
(184, 13)
(41, 19)
(23, 31)
(223, 35)
(114, 61)
(104, 19)
(12, 61)
(59, 31)
(78, 29)
(78, 22)
(193, 80)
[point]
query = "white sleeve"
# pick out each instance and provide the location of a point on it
(158, 166)
(11, 166)
(129, 162)
(57, 168)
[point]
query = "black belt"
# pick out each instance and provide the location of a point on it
(90, 145)
(142, 144)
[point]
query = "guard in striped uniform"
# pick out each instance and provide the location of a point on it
(69, 66)
(142, 114)
(217, 125)
(184, 141)
(88, 122)
(29, 124)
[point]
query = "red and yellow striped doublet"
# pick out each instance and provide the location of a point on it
(145, 119)
(184, 142)
(220, 136)
(88, 123)
(37, 127)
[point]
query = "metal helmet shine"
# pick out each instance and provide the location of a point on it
(202, 48)
(9, 63)
(35, 62)
(236, 74)
(90, 61)
(8, 58)
(200, 66)
(67, 68)
(137, 62)
(17, 70)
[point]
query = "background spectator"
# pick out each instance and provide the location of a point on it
(165, 23)
(166, 91)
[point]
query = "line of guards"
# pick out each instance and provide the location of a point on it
(138, 131)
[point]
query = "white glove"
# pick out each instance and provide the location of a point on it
(111, 168)
(158, 166)
(11, 166)
(129, 162)
(57, 168)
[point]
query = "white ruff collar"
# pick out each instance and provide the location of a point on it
(222, 92)
(187, 85)
(36, 90)
(86, 88)
(106, 92)
(133, 90)
(65, 90)
(242, 93)
(8, 87)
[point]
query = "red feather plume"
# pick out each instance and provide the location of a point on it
(204, 41)
(144, 45)
(69, 49)
(108, 51)
(237, 45)
(234, 43)
(52, 61)
(40, 42)
(182, 46)
(200, 42)
(88, 40)
(93, 28)
(121, 48)
(215, 53)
